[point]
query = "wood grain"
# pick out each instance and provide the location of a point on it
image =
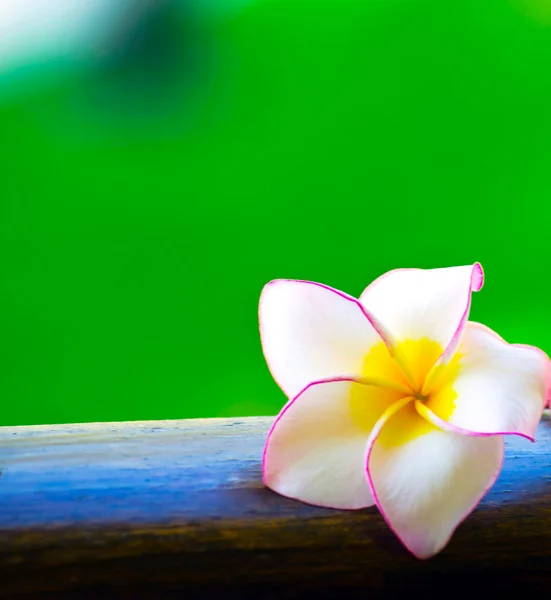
(173, 509)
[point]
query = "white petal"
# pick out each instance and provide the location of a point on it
(491, 386)
(426, 481)
(311, 332)
(423, 304)
(315, 451)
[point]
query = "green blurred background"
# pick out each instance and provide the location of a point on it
(162, 161)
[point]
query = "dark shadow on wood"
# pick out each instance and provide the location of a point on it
(177, 509)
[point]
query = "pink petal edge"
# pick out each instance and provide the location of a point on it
(477, 281)
(424, 411)
(544, 354)
(286, 408)
(372, 439)
(376, 326)
(547, 402)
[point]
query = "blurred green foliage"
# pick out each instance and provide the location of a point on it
(148, 193)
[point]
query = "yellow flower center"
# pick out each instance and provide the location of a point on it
(410, 367)
(393, 378)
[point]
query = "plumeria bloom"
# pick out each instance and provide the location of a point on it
(396, 399)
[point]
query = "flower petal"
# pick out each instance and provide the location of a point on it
(423, 304)
(491, 386)
(426, 481)
(315, 451)
(311, 332)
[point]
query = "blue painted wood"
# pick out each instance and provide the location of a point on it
(170, 505)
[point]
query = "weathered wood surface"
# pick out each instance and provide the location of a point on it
(176, 509)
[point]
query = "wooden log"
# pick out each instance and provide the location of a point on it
(173, 509)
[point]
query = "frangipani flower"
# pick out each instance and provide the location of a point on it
(396, 399)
